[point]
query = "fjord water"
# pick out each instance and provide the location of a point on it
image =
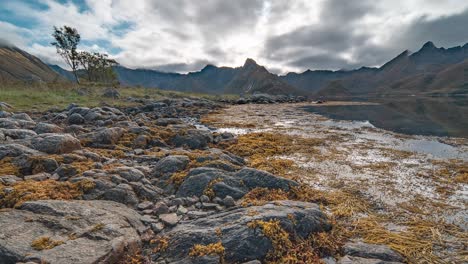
(434, 116)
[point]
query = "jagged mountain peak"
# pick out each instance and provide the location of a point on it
(250, 63)
(428, 46)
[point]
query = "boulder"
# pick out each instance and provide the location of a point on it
(129, 173)
(357, 260)
(103, 136)
(122, 193)
(170, 164)
(75, 119)
(241, 242)
(111, 93)
(18, 133)
(22, 116)
(43, 128)
(371, 251)
(15, 150)
(52, 143)
(168, 121)
(83, 232)
(225, 183)
(253, 178)
(193, 138)
(8, 123)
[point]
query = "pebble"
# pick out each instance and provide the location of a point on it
(204, 199)
(228, 201)
(182, 210)
(169, 219)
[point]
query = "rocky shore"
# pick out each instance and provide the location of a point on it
(148, 184)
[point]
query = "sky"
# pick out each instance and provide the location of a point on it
(283, 35)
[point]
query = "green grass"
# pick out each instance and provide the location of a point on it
(43, 97)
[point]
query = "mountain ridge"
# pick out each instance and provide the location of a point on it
(430, 70)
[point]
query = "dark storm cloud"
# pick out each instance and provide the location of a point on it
(446, 31)
(184, 35)
(318, 46)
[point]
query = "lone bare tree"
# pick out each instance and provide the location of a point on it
(66, 42)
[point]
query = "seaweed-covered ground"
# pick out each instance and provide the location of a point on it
(408, 192)
(190, 180)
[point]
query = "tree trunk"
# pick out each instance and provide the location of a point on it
(76, 76)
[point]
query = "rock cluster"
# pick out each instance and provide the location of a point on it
(261, 98)
(143, 182)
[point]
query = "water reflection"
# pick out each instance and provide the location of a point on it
(415, 116)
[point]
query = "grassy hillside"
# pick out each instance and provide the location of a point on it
(40, 98)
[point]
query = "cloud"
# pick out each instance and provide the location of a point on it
(12, 35)
(444, 31)
(182, 35)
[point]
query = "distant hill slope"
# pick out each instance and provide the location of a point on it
(18, 65)
(430, 70)
(64, 73)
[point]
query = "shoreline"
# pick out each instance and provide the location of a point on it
(403, 183)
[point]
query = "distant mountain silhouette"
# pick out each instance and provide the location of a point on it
(247, 79)
(18, 65)
(430, 70)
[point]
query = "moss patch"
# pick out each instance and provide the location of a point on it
(43, 190)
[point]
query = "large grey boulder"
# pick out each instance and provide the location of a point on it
(18, 133)
(42, 128)
(103, 136)
(87, 232)
(253, 178)
(22, 116)
(9, 123)
(225, 183)
(128, 173)
(15, 150)
(75, 119)
(241, 242)
(170, 164)
(122, 193)
(52, 143)
(193, 138)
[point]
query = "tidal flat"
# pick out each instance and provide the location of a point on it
(407, 191)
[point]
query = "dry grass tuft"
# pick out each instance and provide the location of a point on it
(161, 243)
(213, 249)
(209, 188)
(43, 190)
(290, 250)
(8, 168)
(416, 243)
(44, 243)
(261, 196)
(273, 165)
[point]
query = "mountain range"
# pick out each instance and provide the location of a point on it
(429, 71)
